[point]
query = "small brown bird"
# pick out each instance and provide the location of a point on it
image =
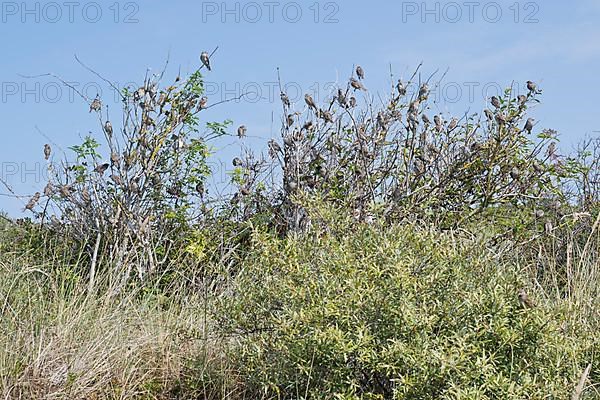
(241, 131)
(108, 128)
(307, 126)
(413, 107)
(539, 214)
(237, 162)
(360, 72)
(274, 148)
(244, 190)
(524, 299)
(521, 99)
(200, 189)
(204, 57)
(66, 190)
(47, 151)
(425, 119)
(423, 92)
(495, 102)
(96, 105)
(33, 201)
(531, 86)
(290, 119)
(114, 159)
(515, 174)
(529, 125)
(352, 102)
(162, 99)
(101, 168)
(488, 114)
(500, 119)
(174, 191)
(310, 102)
(85, 195)
(326, 116)
(453, 123)
(341, 98)
(139, 94)
(551, 151)
(49, 189)
(203, 102)
(285, 99)
(356, 84)
(116, 179)
(400, 88)
(548, 228)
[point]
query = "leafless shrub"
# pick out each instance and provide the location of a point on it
(395, 158)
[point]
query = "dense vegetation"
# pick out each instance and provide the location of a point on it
(378, 251)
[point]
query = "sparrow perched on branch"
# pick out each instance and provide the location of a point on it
(356, 84)
(33, 201)
(400, 88)
(326, 116)
(49, 189)
(453, 123)
(241, 131)
(531, 86)
(438, 123)
(200, 189)
(108, 128)
(307, 126)
(341, 98)
(47, 151)
(244, 190)
(360, 72)
(96, 105)
(528, 125)
(524, 300)
(548, 228)
(274, 149)
(488, 114)
(425, 119)
(116, 179)
(114, 159)
(413, 107)
(290, 120)
(310, 102)
(495, 102)
(204, 57)
(85, 196)
(515, 174)
(285, 99)
(500, 119)
(423, 92)
(551, 150)
(101, 169)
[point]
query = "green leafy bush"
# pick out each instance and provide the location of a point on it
(401, 313)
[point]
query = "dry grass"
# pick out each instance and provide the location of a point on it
(62, 344)
(58, 342)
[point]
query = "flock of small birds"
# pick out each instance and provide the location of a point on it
(344, 101)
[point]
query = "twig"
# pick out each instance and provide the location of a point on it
(580, 386)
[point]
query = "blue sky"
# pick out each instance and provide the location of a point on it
(484, 46)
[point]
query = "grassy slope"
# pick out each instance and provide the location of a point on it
(56, 339)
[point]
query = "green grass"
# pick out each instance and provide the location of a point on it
(56, 340)
(351, 311)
